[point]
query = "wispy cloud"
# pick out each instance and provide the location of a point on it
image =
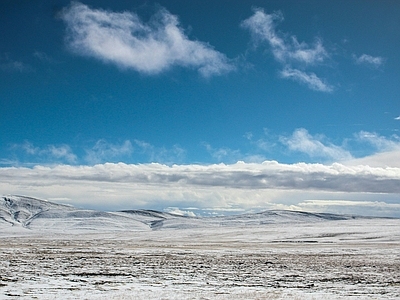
(49, 153)
(161, 154)
(223, 154)
(10, 65)
(385, 150)
(309, 79)
(397, 118)
(100, 152)
(366, 59)
(104, 151)
(265, 143)
(228, 155)
(379, 159)
(44, 57)
(123, 39)
(381, 143)
(262, 27)
(289, 52)
(314, 146)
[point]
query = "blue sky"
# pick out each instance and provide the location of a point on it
(173, 91)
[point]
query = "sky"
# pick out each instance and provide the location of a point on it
(202, 107)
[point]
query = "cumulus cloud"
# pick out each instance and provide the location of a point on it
(309, 79)
(314, 146)
(125, 40)
(366, 59)
(288, 52)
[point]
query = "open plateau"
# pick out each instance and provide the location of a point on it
(54, 251)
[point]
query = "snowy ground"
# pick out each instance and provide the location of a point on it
(67, 254)
(330, 260)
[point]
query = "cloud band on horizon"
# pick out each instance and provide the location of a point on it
(267, 175)
(241, 186)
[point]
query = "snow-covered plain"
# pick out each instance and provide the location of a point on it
(53, 251)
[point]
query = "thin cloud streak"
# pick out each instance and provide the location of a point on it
(309, 79)
(123, 39)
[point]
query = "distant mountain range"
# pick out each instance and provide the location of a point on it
(26, 213)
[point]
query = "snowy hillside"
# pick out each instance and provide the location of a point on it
(53, 251)
(34, 214)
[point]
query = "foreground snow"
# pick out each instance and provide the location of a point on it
(75, 254)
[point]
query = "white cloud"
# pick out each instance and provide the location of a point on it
(123, 39)
(62, 152)
(375, 62)
(28, 147)
(226, 154)
(262, 27)
(303, 53)
(309, 79)
(381, 143)
(104, 151)
(223, 154)
(161, 154)
(179, 212)
(381, 159)
(397, 118)
(239, 185)
(289, 53)
(366, 208)
(264, 144)
(314, 146)
(388, 150)
(50, 153)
